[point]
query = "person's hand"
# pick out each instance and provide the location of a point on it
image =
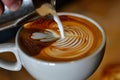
(12, 5)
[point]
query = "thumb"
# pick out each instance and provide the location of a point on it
(13, 5)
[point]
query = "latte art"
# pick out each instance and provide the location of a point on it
(82, 38)
(77, 41)
(46, 36)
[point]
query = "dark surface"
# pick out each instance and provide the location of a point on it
(7, 34)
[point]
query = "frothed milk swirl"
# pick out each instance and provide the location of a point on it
(80, 40)
(46, 9)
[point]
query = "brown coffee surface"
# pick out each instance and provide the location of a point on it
(82, 38)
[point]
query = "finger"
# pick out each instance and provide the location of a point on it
(1, 9)
(13, 5)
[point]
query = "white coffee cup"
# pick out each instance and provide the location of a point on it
(43, 70)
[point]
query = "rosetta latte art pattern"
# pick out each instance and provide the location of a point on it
(78, 40)
(41, 39)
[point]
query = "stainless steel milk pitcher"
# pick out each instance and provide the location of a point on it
(28, 6)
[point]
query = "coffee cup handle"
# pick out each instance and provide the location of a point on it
(13, 66)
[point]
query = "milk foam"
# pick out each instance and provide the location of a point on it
(46, 36)
(78, 40)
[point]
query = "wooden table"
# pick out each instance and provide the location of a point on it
(107, 13)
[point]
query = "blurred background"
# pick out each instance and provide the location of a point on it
(106, 13)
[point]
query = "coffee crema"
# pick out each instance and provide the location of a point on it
(82, 38)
